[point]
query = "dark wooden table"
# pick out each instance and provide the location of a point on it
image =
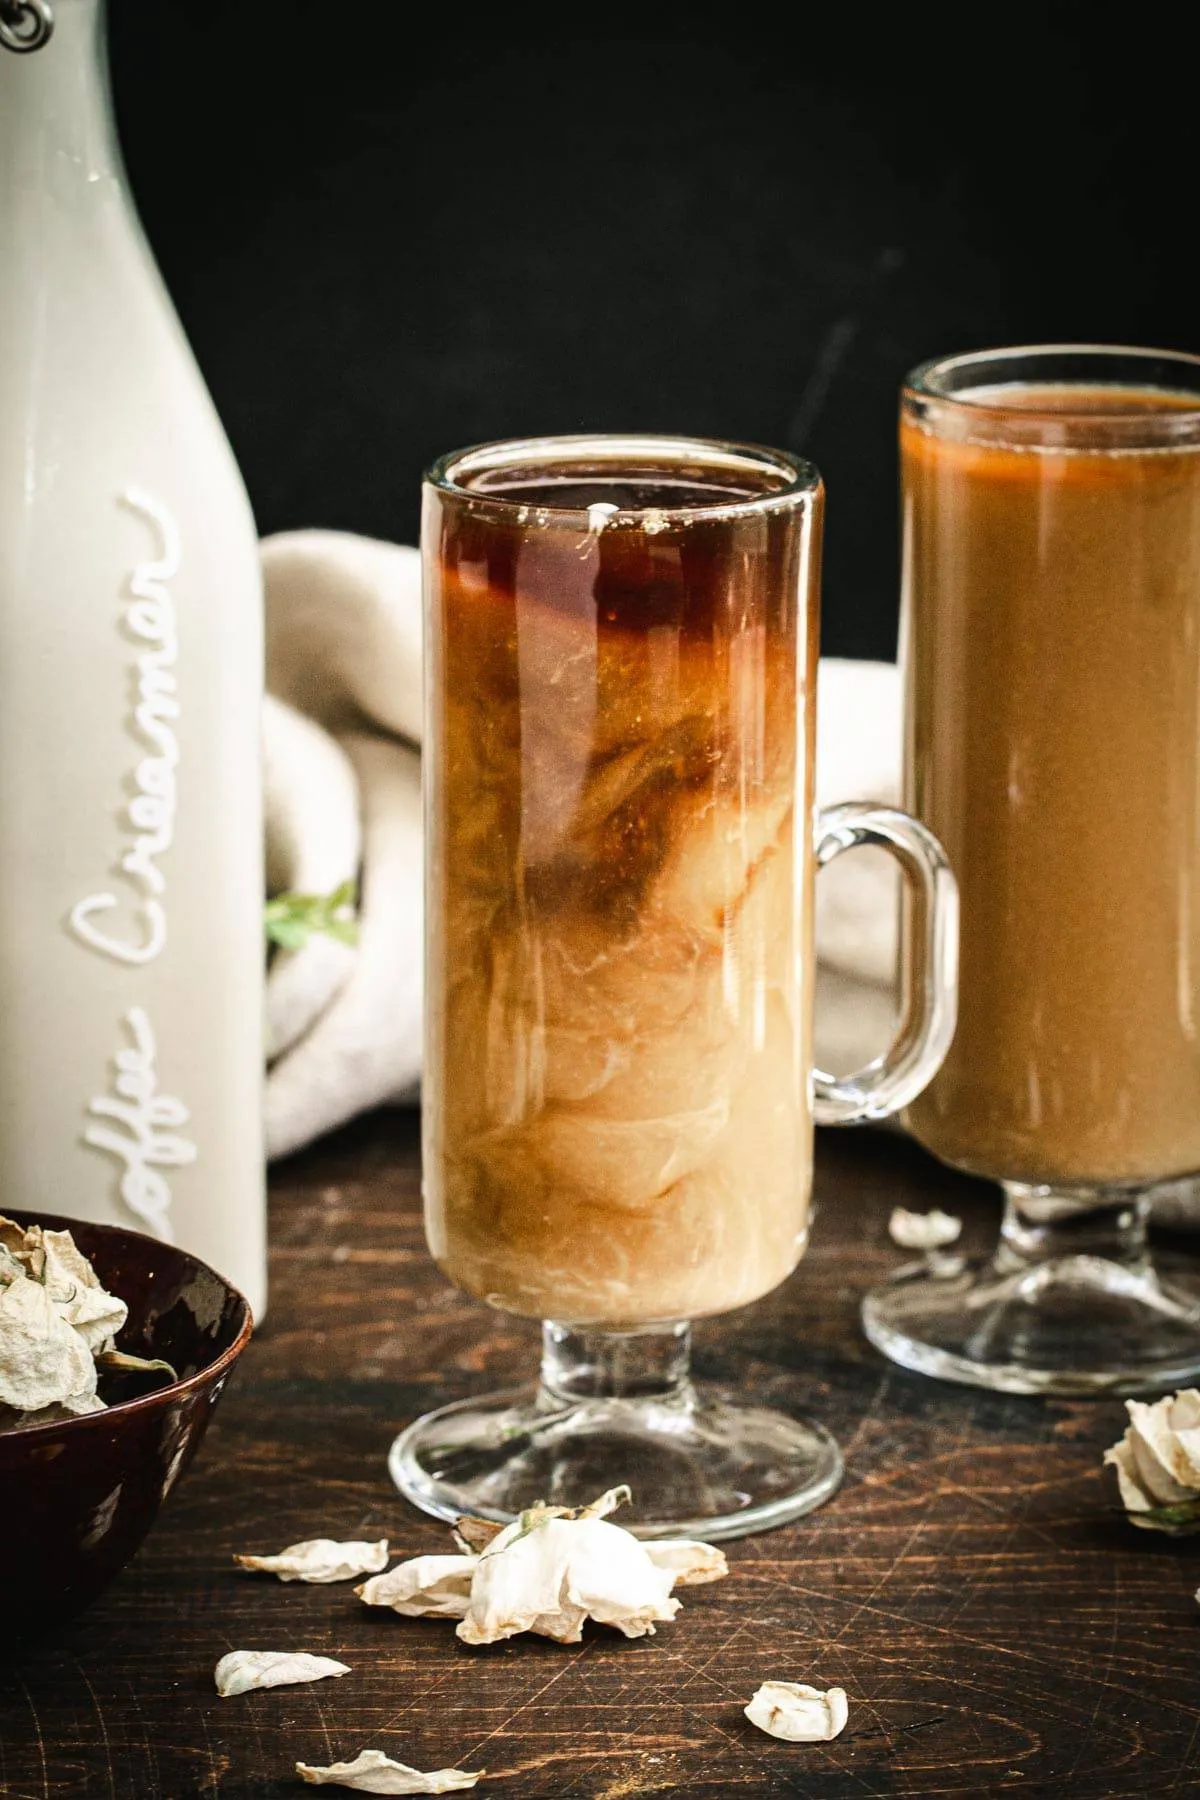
(997, 1625)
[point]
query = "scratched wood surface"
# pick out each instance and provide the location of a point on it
(998, 1627)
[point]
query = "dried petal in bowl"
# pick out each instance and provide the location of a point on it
(55, 1317)
(75, 1288)
(43, 1360)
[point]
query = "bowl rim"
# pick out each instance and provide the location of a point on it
(174, 1390)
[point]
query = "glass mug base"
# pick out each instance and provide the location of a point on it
(1072, 1303)
(617, 1408)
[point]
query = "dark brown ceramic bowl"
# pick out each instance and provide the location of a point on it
(77, 1498)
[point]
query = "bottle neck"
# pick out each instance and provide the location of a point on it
(56, 118)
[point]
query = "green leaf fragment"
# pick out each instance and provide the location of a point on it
(291, 919)
(121, 1362)
(1180, 1519)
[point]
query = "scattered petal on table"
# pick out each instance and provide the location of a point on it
(437, 1587)
(690, 1563)
(244, 1670)
(923, 1231)
(372, 1772)
(319, 1560)
(801, 1714)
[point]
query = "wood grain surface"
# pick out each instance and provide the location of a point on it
(997, 1625)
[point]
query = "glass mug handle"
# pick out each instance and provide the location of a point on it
(892, 1080)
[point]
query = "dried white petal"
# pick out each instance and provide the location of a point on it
(320, 1560)
(609, 1501)
(547, 1573)
(437, 1587)
(75, 1288)
(244, 1670)
(372, 1772)
(923, 1231)
(1133, 1496)
(801, 1714)
(55, 1262)
(43, 1360)
(12, 1236)
(73, 1407)
(690, 1564)
(1158, 1459)
(473, 1535)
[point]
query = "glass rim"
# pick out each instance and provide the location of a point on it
(927, 382)
(798, 477)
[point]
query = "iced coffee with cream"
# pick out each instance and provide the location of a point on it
(618, 1104)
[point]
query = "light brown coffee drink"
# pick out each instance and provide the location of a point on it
(1052, 648)
(619, 1121)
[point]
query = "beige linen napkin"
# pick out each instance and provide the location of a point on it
(343, 803)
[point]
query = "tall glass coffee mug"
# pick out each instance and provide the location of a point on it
(1051, 642)
(618, 1101)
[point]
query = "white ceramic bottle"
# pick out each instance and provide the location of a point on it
(131, 946)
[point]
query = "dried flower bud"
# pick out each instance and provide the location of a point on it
(548, 1574)
(1158, 1463)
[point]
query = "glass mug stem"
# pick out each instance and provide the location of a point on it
(1042, 1225)
(653, 1363)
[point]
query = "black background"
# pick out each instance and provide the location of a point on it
(392, 230)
